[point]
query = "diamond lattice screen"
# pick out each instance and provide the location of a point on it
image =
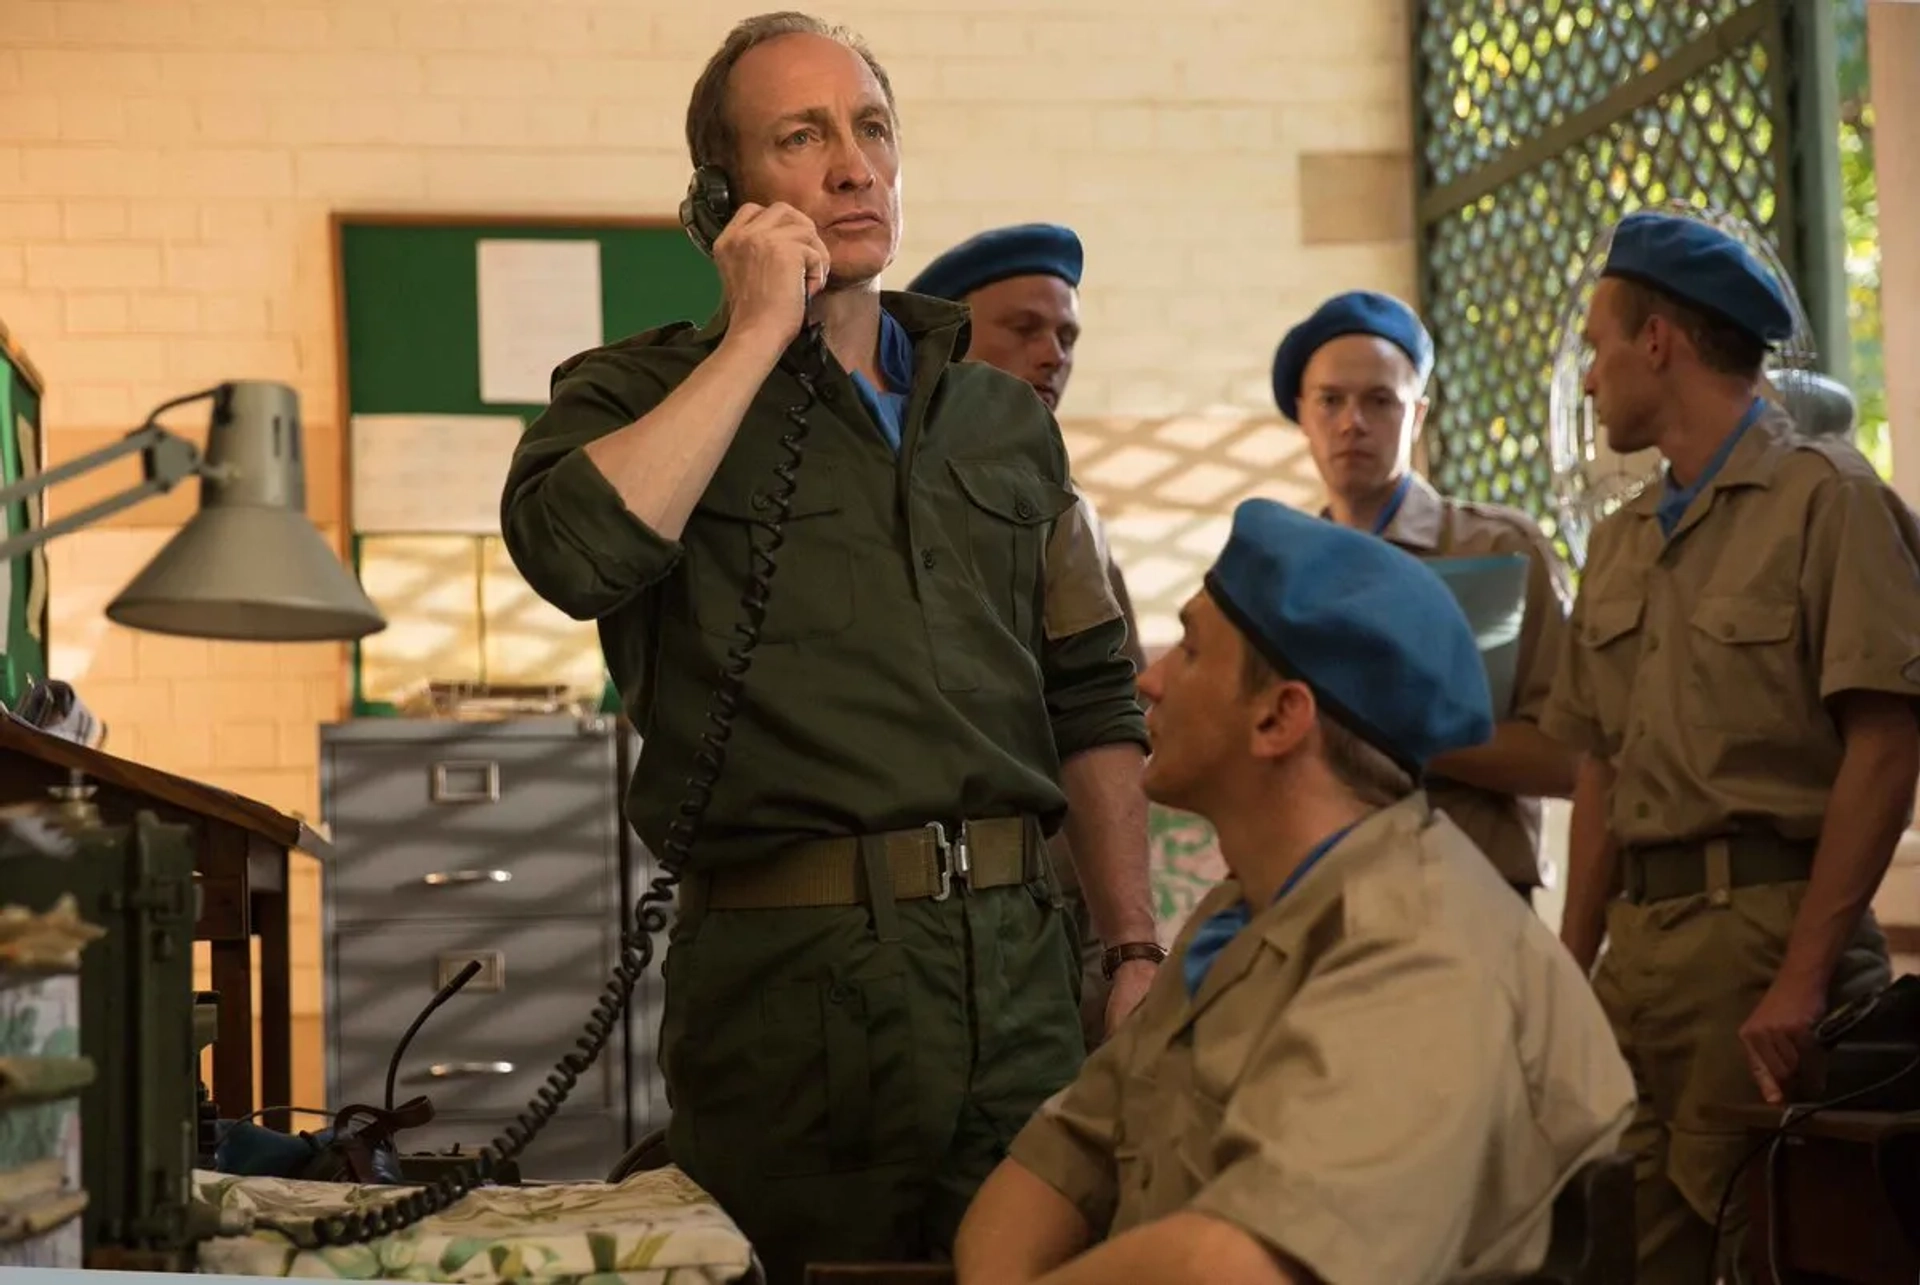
(1495, 77)
(1166, 489)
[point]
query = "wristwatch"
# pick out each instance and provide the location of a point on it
(1151, 951)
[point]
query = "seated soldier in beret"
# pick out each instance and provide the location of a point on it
(1021, 285)
(1368, 1061)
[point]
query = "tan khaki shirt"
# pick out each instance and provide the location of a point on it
(1429, 525)
(1700, 664)
(1387, 1075)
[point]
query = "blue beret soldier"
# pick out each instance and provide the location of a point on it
(1001, 254)
(1021, 285)
(1740, 677)
(1233, 1129)
(1354, 377)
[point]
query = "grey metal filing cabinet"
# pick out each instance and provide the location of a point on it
(501, 842)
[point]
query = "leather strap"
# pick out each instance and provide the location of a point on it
(1114, 956)
(930, 861)
(349, 1154)
(1716, 866)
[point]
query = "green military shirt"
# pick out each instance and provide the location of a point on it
(939, 635)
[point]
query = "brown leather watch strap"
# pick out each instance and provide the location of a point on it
(1151, 951)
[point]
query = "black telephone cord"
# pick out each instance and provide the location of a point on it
(650, 912)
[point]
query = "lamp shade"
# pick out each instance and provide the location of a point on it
(249, 566)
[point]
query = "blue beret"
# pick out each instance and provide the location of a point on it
(1026, 250)
(1700, 265)
(1377, 635)
(1358, 312)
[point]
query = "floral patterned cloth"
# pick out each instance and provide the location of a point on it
(1185, 862)
(656, 1228)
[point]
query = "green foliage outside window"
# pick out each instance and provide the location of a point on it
(1860, 211)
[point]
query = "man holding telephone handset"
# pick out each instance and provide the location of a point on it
(870, 984)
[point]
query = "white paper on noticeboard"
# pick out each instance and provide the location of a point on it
(539, 305)
(431, 474)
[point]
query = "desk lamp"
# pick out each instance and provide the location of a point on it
(248, 566)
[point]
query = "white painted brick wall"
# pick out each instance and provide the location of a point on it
(174, 162)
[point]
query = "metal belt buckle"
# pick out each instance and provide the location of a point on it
(950, 857)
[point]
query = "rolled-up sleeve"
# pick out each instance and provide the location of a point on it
(566, 528)
(1090, 680)
(1371, 1104)
(1090, 688)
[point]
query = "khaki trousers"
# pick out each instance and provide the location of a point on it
(1678, 979)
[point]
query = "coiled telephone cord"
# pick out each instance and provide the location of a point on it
(650, 912)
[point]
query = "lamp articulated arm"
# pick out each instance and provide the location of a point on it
(168, 460)
(248, 566)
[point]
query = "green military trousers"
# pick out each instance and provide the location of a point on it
(1095, 989)
(843, 1079)
(1679, 978)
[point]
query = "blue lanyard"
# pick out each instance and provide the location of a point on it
(1675, 500)
(1223, 926)
(1387, 515)
(1313, 859)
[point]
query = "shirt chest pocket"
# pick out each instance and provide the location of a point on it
(1743, 670)
(1610, 637)
(810, 594)
(1005, 513)
(1162, 1153)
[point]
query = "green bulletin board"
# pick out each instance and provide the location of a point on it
(407, 297)
(23, 641)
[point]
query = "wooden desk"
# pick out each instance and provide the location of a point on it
(240, 853)
(1832, 1198)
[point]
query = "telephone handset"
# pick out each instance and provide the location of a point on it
(704, 213)
(708, 207)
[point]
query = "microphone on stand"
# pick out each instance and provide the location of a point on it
(445, 993)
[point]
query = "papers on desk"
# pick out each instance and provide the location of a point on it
(539, 305)
(1492, 591)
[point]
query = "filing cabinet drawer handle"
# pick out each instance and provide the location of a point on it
(448, 878)
(478, 781)
(452, 1070)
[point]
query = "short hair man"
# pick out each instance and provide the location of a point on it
(1354, 376)
(870, 985)
(1021, 285)
(1741, 672)
(1372, 1062)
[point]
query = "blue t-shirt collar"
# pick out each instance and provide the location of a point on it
(1675, 499)
(1223, 926)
